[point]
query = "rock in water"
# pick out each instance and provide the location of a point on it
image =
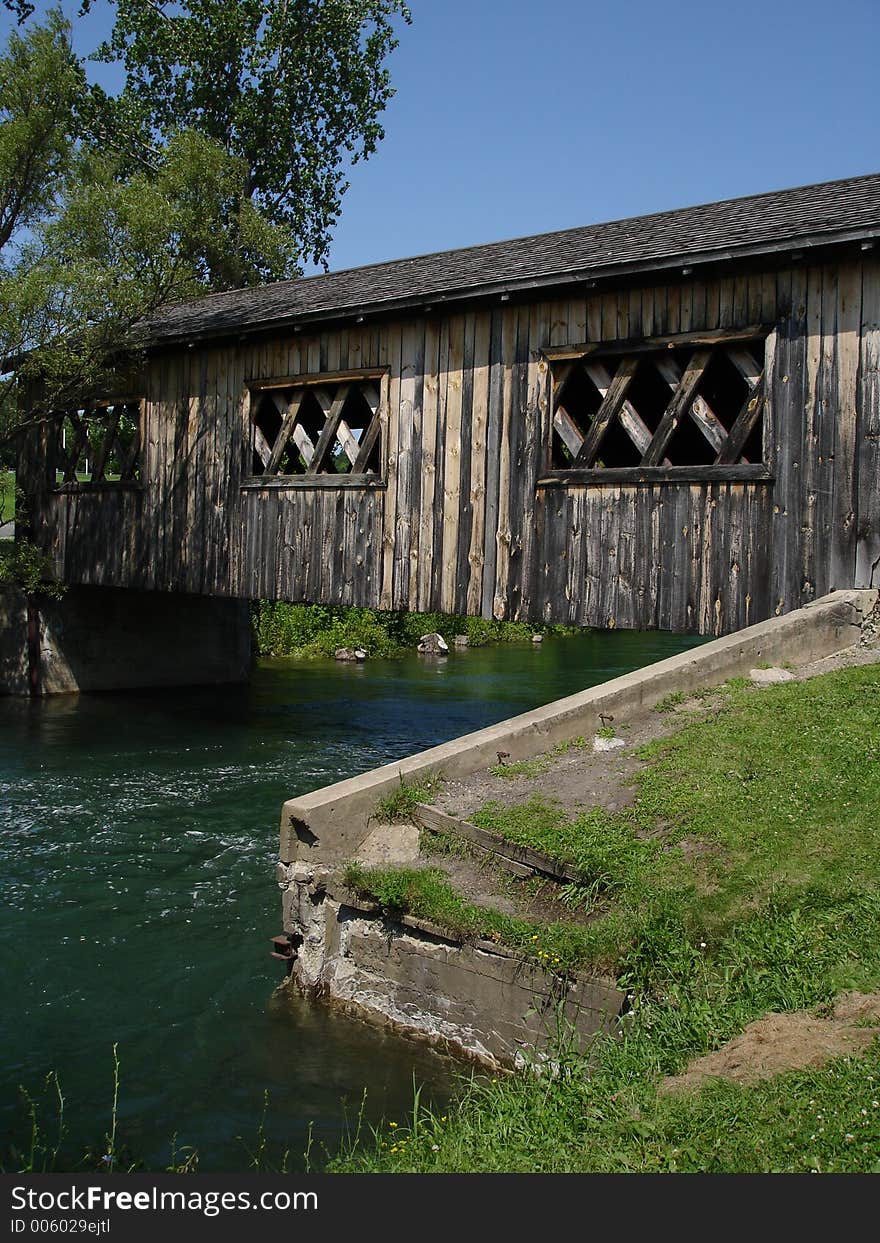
(461, 640)
(345, 653)
(433, 645)
(537, 638)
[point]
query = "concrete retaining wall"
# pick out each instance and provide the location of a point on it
(330, 824)
(481, 1000)
(103, 638)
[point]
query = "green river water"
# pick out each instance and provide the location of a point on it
(138, 834)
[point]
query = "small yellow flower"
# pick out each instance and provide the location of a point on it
(392, 1125)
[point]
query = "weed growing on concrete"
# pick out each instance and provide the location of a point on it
(399, 806)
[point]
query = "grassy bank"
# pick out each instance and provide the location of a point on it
(314, 630)
(745, 880)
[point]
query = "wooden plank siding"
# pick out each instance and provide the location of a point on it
(458, 520)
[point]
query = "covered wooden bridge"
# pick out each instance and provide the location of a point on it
(670, 421)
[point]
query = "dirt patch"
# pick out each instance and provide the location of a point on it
(781, 1042)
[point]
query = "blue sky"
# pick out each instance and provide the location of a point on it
(516, 118)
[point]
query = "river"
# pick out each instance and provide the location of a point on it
(138, 834)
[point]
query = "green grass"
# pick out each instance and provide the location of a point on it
(7, 496)
(759, 891)
(310, 631)
(427, 894)
(399, 806)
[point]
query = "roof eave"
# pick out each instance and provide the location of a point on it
(487, 290)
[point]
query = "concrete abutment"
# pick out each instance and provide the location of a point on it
(105, 638)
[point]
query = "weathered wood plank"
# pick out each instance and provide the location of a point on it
(677, 407)
(439, 822)
(610, 407)
(867, 571)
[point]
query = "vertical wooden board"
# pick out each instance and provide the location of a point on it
(408, 464)
(451, 448)
(531, 460)
(479, 459)
(686, 307)
(673, 308)
(594, 318)
(578, 556)
(494, 422)
(466, 511)
(648, 311)
(741, 300)
(707, 552)
(784, 372)
(509, 384)
(609, 316)
(180, 452)
(661, 310)
(698, 306)
(623, 328)
(625, 608)
(738, 535)
(609, 551)
(826, 417)
(634, 314)
(577, 323)
(843, 499)
(770, 302)
(725, 302)
(521, 488)
(867, 571)
(336, 516)
(809, 514)
(425, 464)
(392, 339)
(440, 446)
(558, 324)
(713, 303)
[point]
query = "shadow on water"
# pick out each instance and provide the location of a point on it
(138, 835)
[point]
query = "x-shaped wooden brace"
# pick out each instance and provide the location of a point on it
(685, 400)
(335, 429)
(126, 456)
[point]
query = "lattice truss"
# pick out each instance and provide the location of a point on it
(679, 406)
(313, 429)
(100, 443)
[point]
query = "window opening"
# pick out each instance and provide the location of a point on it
(100, 443)
(675, 406)
(317, 429)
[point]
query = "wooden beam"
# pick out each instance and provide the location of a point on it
(638, 345)
(304, 443)
(316, 378)
(81, 432)
(289, 413)
(701, 412)
(746, 365)
(623, 476)
(365, 448)
(611, 404)
(742, 427)
(569, 432)
(262, 446)
(331, 422)
(439, 822)
(675, 411)
(630, 419)
(114, 414)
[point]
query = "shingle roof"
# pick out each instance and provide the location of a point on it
(833, 211)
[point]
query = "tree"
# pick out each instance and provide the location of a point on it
(292, 88)
(220, 163)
